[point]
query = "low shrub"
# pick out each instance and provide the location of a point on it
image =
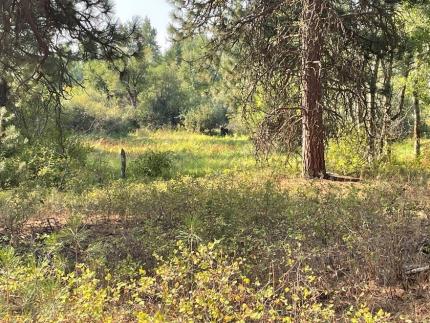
(152, 164)
(206, 118)
(82, 121)
(11, 143)
(16, 207)
(45, 165)
(347, 154)
(48, 166)
(203, 285)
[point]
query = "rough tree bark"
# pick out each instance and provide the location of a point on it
(312, 109)
(417, 124)
(132, 95)
(372, 121)
(4, 89)
(385, 137)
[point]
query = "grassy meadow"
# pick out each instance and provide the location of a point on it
(201, 231)
(194, 154)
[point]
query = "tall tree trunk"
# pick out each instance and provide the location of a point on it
(4, 89)
(59, 125)
(405, 74)
(132, 97)
(312, 110)
(386, 135)
(417, 124)
(372, 121)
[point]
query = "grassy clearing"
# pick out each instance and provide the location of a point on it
(194, 154)
(404, 151)
(198, 155)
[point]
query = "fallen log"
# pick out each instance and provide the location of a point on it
(338, 178)
(417, 270)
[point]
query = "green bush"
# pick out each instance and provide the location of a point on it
(206, 118)
(84, 121)
(9, 135)
(11, 143)
(205, 284)
(48, 166)
(153, 165)
(239, 126)
(16, 207)
(347, 154)
(163, 102)
(12, 172)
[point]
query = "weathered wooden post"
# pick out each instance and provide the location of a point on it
(123, 163)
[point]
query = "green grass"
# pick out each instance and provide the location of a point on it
(199, 155)
(193, 154)
(404, 151)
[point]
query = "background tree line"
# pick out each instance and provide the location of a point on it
(294, 76)
(179, 88)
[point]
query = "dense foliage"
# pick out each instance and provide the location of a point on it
(205, 218)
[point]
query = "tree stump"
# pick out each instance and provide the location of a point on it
(123, 164)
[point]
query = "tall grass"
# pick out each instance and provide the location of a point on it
(194, 154)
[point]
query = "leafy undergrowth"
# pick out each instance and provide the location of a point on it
(201, 232)
(285, 249)
(203, 285)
